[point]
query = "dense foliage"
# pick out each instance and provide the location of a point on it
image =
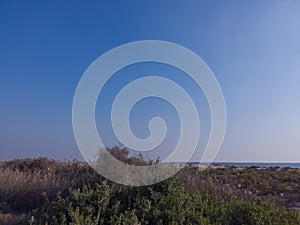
(164, 203)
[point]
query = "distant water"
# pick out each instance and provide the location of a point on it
(249, 164)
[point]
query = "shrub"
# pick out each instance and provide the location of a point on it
(164, 203)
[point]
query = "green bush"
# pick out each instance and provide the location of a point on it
(164, 203)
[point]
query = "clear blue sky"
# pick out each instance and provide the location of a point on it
(253, 47)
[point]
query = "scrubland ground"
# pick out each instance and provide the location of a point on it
(43, 191)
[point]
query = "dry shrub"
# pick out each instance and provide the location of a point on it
(27, 184)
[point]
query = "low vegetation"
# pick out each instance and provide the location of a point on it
(43, 191)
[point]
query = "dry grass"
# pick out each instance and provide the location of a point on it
(11, 218)
(27, 184)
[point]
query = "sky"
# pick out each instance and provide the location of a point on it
(253, 48)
